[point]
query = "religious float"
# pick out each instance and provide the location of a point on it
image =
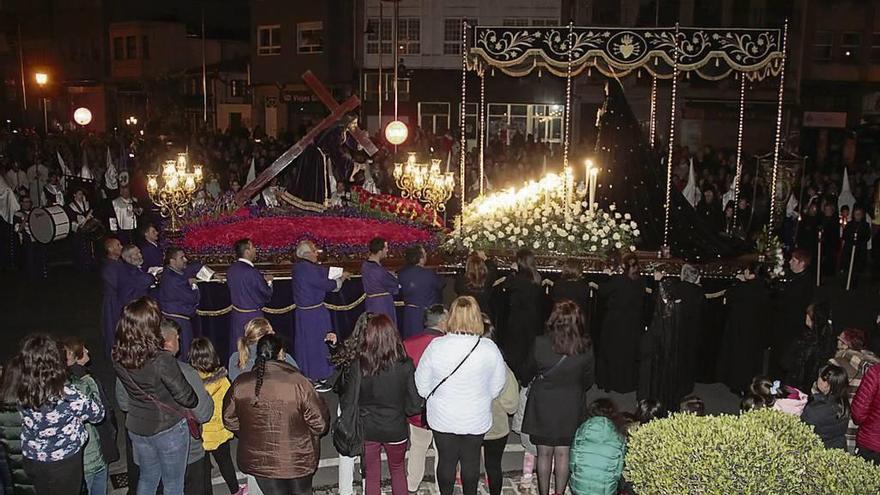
(624, 202)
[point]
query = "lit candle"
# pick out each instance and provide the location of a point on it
(588, 165)
(569, 191)
(594, 172)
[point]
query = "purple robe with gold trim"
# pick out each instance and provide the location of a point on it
(310, 285)
(249, 293)
(380, 287)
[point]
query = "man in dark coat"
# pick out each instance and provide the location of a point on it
(790, 306)
(110, 308)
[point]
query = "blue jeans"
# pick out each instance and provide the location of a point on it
(97, 482)
(162, 457)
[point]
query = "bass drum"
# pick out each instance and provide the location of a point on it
(49, 224)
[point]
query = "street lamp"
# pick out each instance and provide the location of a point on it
(132, 120)
(82, 116)
(42, 80)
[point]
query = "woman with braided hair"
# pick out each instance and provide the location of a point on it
(278, 419)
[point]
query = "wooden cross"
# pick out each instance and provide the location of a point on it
(337, 111)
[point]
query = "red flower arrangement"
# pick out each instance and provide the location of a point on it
(338, 235)
(395, 206)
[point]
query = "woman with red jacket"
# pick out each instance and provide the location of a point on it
(866, 414)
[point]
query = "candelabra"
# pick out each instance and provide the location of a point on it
(176, 190)
(424, 183)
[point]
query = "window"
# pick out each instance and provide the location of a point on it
(269, 40)
(850, 47)
(542, 121)
(374, 33)
(434, 117)
(310, 37)
(145, 47)
(371, 86)
(545, 22)
(130, 47)
(452, 35)
(875, 47)
(237, 88)
(515, 22)
(118, 49)
(823, 43)
(409, 34)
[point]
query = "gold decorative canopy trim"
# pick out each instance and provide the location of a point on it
(712, 53)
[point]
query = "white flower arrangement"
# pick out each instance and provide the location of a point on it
(542, 205)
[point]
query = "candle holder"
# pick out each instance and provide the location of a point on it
(424, 183)
(172, 190)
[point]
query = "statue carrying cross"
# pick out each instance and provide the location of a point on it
(338, 113)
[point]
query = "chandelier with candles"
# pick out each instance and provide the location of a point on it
(424, 182)
(173, 189)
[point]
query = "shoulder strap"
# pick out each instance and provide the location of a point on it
(556, 365)
(456, 368)
(150, 397)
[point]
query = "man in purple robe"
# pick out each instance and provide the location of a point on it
(420, 287)
(249, 290)
(312, 325)
(133, 282)
(150, 248)
(178, 294)
(380, 285)
(110, 308)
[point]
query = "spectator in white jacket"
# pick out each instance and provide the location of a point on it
(460, 374)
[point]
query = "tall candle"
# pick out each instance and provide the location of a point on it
(594, 172)
(569, 192)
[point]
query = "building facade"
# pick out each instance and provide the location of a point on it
(429, 35)
(288, 40)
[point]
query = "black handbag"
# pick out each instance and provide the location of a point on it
(425, 403)
(348, 431)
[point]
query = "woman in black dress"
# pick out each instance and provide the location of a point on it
(572, 286)
(623, 300)
(525, 311)
(560, 368)
(745, 332)
(476, 281)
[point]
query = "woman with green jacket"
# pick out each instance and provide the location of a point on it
(597, 452)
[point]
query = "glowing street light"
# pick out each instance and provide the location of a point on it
(82, 116)
(42, 79)
(396, 132)
(132, 120)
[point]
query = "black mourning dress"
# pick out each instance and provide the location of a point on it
(745, 334)
(666, 367)
(622, 300)
(633, 178)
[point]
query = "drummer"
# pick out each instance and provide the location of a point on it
(82, 216)
(33, 254)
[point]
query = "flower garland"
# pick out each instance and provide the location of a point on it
(535, 217)
(769, 247)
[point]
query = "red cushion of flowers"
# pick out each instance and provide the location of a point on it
(280, 232)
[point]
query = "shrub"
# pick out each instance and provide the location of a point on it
(760, 452)
(834, 472)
